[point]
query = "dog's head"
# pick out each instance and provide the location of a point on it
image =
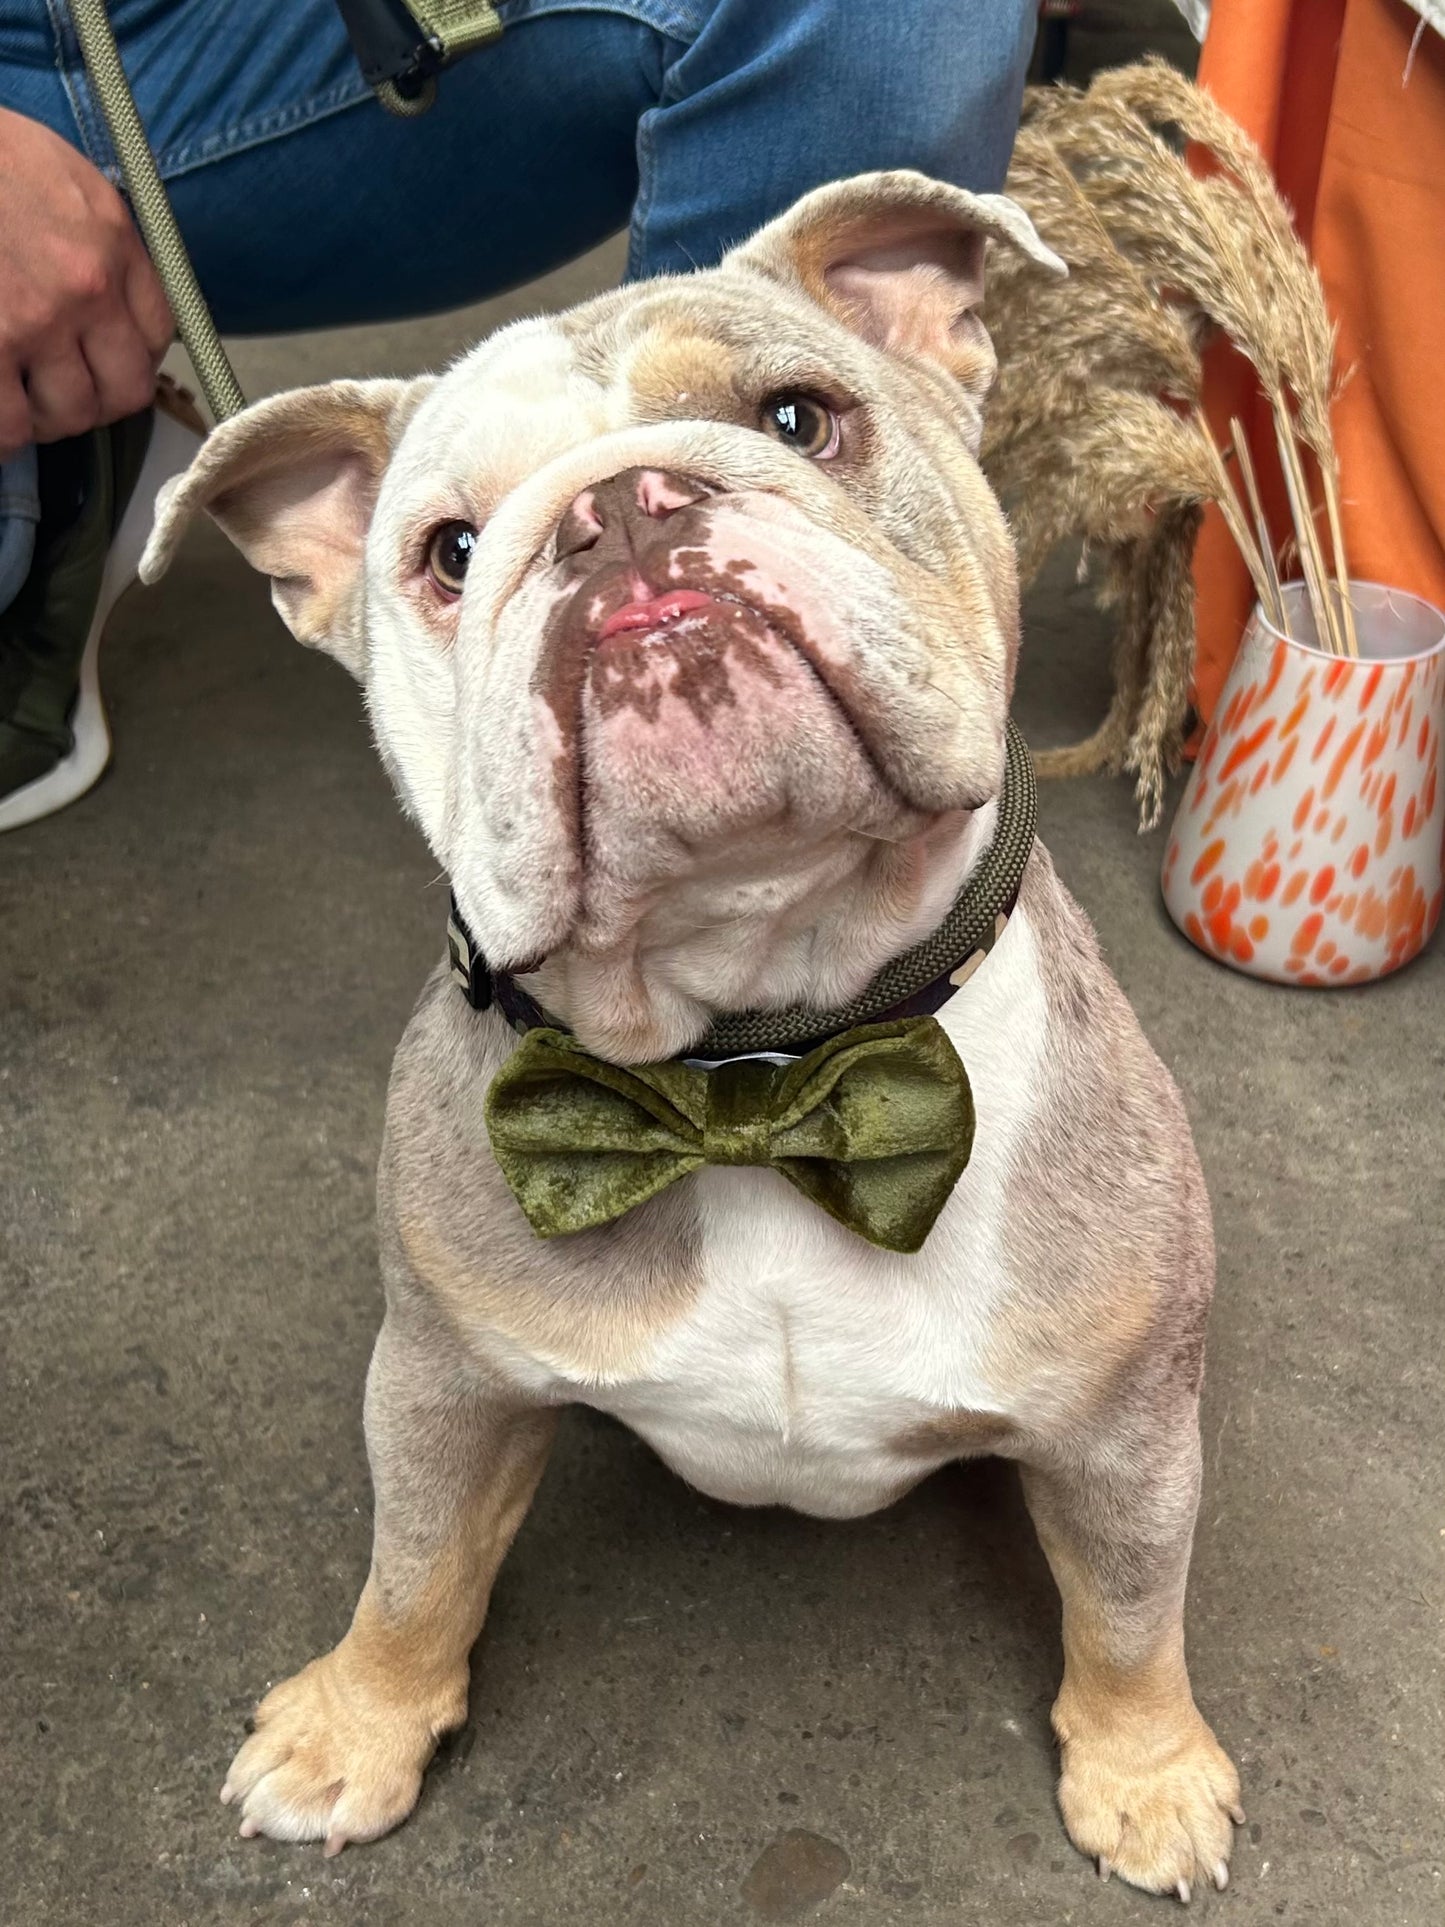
(686, 619)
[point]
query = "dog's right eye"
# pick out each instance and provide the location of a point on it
(448, 553)
(800, 421)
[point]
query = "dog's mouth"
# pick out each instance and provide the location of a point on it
(694, 718)
(676, 633)
(691, 650)
(655, 616)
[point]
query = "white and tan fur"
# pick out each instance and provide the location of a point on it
(757, 809)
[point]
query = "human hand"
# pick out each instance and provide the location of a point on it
(83, 318)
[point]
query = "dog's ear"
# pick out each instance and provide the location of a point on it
(898, 258)
(293, 482)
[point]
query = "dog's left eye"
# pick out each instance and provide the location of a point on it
(448, 554)
(802, 422)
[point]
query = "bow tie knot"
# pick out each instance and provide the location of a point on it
(737, 1126)
(875, 1126)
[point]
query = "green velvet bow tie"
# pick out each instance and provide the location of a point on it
(875, 1126)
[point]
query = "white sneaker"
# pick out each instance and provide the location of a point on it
(176, 433)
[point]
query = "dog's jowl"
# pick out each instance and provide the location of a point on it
(776, 1098)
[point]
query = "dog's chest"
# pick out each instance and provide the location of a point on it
(812, 1369)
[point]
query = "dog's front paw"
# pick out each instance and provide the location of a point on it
(1154, 1808)
(335, 1755)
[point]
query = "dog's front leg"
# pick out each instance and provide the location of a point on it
(1145, 1786)
(339, 1750)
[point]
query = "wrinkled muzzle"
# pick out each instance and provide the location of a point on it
(682, 643)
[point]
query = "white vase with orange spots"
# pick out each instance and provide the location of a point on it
(1307, 848)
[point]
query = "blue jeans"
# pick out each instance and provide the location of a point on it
(306, 205)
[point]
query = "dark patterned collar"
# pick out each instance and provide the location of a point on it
(917, 984)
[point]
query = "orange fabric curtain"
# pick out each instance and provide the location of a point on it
(1346, 98)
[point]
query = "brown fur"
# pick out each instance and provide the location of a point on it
(957, 1435)
(669, 372)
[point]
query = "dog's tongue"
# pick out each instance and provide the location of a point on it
(660, 613)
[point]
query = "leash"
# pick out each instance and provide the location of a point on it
(153, 210)
(399, 62)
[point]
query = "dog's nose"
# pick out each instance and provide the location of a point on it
(637, 496)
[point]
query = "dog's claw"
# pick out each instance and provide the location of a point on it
(1236, 1814)
(228, 1793)
(249, 1829)
(334, 1843)
(1104, 1868)
(1221, 1875)
(1183, 1891)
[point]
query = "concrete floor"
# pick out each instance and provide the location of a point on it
(683, 1715)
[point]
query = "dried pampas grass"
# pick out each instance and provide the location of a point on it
(1095, 429)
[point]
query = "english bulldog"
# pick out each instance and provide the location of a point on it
(688, 625)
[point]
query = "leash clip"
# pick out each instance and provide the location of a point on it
(402, 45)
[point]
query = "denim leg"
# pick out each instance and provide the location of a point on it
(527, 160)
(305, 205)
(303, 202)
(772, 99)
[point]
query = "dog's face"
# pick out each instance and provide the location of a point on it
(684, 607)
